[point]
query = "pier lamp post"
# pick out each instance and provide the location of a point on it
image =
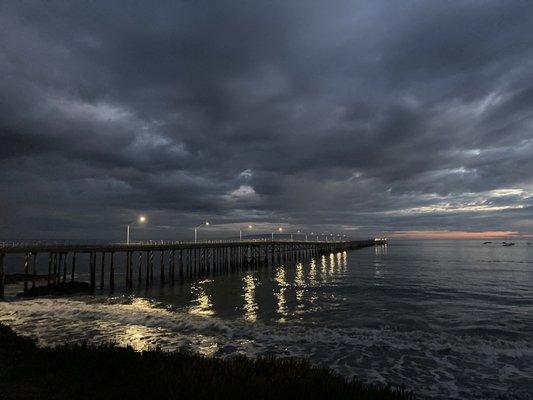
(205, 223)
(240, 231)
(279, 230)
(141, 220)
(297, 232)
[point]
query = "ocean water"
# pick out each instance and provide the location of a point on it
(447, 319)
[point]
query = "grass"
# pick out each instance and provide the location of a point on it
(83, 371)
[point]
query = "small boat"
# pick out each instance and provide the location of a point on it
(505, 244)
(487, 242)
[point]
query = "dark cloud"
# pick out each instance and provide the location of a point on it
(364, 117)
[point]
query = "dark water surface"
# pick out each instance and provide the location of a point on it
(448, 319)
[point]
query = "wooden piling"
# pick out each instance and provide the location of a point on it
(58, 270)
(49, 268)
(34, 270)
(112, 273)
(140, 267)
(147, 261)
(54, 279)
(171, 262)
(181, 265)
(151, 266)
(102, 270)
(92, 262)
(26, 272)
(162, 268)
(65, 268)
(2, 276)
(73, 267)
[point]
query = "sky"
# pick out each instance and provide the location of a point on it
(408, 119)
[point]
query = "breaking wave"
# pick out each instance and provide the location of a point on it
(437, 365)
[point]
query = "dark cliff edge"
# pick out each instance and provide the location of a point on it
(82, 371)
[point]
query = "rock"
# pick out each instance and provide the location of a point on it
(58, 289)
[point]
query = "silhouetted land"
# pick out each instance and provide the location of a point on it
(84, 371)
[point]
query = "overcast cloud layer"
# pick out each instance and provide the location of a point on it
(352, 116)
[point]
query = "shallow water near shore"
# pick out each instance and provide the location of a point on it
(447, 319)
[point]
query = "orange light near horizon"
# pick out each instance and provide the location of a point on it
(454, 234)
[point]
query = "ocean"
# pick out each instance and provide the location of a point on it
(446, 319)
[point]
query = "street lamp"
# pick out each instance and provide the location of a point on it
(141, 220)
(279, 229)
(240, 231)
(292, 235)
(205, 223)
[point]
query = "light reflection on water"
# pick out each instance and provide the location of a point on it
(404, 314)
(202, 304)
(299, 283)
(250, 305)
(280, 292)
(312, 273)
(324, 268)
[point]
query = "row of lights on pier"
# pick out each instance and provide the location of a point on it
(142, 219)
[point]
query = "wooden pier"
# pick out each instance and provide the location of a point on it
(166, 262)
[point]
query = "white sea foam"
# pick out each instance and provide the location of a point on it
(435, 364)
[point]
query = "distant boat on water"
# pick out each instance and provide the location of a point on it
(487, 242)
(505, 244)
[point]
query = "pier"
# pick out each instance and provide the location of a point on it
(145, 264)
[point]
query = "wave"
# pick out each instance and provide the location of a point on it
(437, 365)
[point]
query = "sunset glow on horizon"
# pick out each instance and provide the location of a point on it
(419, 234)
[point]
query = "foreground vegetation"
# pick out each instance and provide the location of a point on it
(109, 372)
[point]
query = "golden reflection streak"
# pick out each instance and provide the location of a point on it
(203, 305)
(280, 295)
(312, 272)
(344, 259)
(139, 337)
(299, 282)
(323, 268)
(136, 336)
(377, 272)
(250, 306)
(379, 251)
(333, 264)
